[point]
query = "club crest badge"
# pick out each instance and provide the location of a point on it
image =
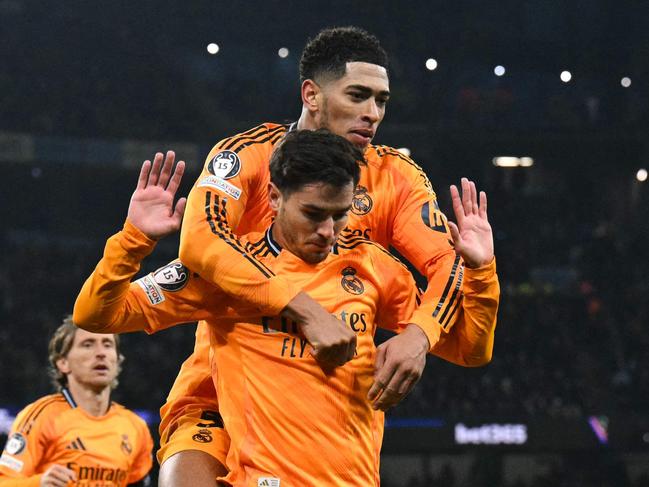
(362, 202)
(126, 445)
(15, 444)
(203, 436)
(172, 277)
(350, 282)
(225, 165)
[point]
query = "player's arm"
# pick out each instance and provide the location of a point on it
(421, 235)
(401, 359)
(229, 185)
(108, 301)
(138, 474)
(470, 341)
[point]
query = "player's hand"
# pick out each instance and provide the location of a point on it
(333, 342)
(57, 476)
(152, 208)
(400, 361)
(472, 235)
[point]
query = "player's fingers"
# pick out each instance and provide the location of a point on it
(154, 175)
(377, 386)
(474, 198)
(466, 196)
(483, 204)
(383, 379)
(455, 233)
(144, 175)
(179, 211)
(176, 177)
(458, 209)
(167, 166)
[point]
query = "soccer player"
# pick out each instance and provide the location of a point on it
(290, 422)
(345, 88)
(78, 436)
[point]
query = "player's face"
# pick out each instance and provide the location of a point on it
(309, 220)
(353, 106)
(92, 360)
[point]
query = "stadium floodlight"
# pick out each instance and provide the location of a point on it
(566, 76)
(282, 52)
(499, 70)
(431, 64)
(641, 175)
(512, 161)
(625, 82)
(405, 151)
(212, 48)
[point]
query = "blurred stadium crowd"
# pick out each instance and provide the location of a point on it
(571, 235)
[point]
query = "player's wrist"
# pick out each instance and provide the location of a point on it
(419, 335)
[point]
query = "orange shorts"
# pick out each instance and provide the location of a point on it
(194, 429)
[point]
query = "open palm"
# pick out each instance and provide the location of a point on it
(152, 208)
(472, 234)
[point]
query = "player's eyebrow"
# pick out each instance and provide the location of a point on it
(312, 207)
(367, 91)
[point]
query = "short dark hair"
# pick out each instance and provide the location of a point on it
(330, 51)
(59, 347)
(314, 156)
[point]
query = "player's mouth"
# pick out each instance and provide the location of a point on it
(361, 137)
(101, 368)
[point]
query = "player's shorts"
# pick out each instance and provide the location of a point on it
(195, 429)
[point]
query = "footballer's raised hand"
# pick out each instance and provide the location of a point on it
(472, 234)
(152, 208)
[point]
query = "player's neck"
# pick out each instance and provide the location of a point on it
(306, 121)
(94, 402)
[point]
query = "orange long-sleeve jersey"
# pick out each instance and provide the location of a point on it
(269, 387)
(110, 450)
(394, 205)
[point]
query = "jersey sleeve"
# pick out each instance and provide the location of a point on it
(231, 184)
(143, 460)
(110, 303)
(397, 288)
(470, 342)
(26, 445)
(420, 233)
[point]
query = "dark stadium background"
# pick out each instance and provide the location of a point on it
(90, 89)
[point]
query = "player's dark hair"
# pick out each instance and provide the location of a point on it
(328, 53)
(59, 347)
(314, 156)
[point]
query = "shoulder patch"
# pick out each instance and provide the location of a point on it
(11, 463)
(221, 185)
(151, 289)
(172, 277)
(226, 165)
(16, 444)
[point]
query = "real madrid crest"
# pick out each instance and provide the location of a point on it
(172, 277)
(362, 202)
(350, 282)
(225, 165)
(126, 445)
(203, 436)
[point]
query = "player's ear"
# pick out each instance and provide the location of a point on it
(274, 197)
(63, 366)
(311, 94)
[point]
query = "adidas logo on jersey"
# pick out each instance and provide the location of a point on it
(268, 482)
(77, 444)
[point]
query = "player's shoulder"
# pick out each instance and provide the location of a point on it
(353, 246)
(266, 133)
(398, 163)
(46, 406)
(135, 419)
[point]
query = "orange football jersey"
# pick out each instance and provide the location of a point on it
(110, 450)
(287, 418)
